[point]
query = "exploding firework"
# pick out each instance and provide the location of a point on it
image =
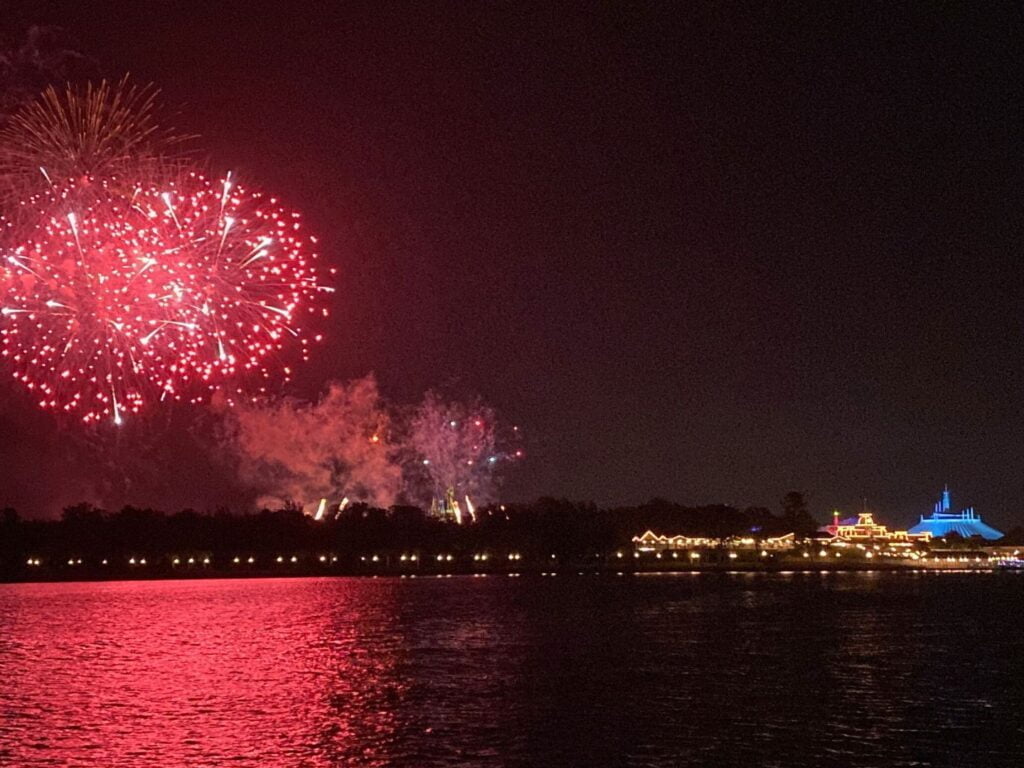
(172, 292)
(458, 450)
(108, 130)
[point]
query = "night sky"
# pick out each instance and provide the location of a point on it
(709, 255)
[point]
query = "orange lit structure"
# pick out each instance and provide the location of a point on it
(653, 542)
(863, 528)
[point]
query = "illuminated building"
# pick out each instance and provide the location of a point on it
(863, 528)
(447, 508)
(652, 542)
(965, 523)
(784, 542)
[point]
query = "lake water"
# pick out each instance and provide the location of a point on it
(868, 669)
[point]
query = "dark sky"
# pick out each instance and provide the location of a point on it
(704, 254)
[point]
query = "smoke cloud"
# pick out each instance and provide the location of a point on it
(353, 444)
(41, 57)
(298, 453)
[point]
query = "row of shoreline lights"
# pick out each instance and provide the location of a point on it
(479, 557)
(443, 558)
(36, 561)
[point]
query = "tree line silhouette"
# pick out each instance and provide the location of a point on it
(548, 526)
(86, 537)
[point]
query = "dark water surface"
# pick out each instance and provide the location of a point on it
(745, 669)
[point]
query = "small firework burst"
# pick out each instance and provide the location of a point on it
(108, 130)
(457, 448)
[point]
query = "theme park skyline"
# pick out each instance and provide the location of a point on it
(546, 537)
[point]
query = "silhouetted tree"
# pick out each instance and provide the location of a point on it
(795, 514)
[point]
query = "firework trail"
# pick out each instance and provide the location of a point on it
(106, 130)
(173, 292)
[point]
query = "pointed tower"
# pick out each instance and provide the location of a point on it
(966, 523)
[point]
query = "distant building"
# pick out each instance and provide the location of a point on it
(652, 542)
(965, 523)
(448, 509)
(863, 528)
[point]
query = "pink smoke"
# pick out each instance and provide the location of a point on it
(296, 452)
(353, 444)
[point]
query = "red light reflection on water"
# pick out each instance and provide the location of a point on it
(268, 673)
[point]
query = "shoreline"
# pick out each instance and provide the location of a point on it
(212, 573)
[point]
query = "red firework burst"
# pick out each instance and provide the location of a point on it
(167, 292)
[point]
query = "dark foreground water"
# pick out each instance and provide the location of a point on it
(761, 670)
